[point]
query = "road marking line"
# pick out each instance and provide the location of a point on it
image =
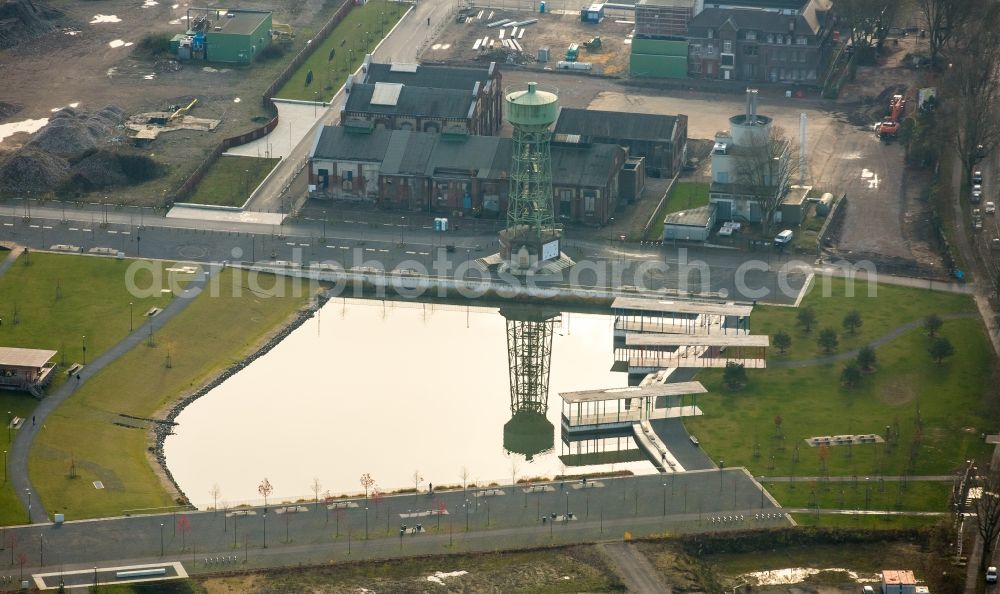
(412, 253)
(425, 253)
(369, 249)
(112, 231)
(46, 226)
(8, 224)
(33, 226)
(387, 224)
(303, 245)
(344, 247)
(73, 229)
(332, 247)
(346, 221)
(291, 243)
(85, 230)
(126, 233)
(384, 251)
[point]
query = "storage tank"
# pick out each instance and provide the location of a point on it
(824, 204)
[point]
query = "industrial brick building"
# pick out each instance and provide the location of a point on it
(223, 35)
(457, 174)
(660, 139)
(424, 98)
(777, 41)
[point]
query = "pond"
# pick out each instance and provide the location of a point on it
(393, 389)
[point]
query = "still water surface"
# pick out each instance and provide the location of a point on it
(387, 389)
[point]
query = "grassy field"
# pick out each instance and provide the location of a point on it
(356, 35)
(812, 402)
(59, 299)
(863, 521)
(892, 307)
(212, 333)
(231, 180)
(867, 493)
(683, 195)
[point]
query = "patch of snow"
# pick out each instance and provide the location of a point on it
(149, 3)
(72, 32)
(237, 100)
(112, 71)
(445, 46)
(105, 18)
(116, 43)
(795, 575)
(440, 576)
(210, 69)
(150, 76)
(29, 126)
(74, 105)
(175, 22)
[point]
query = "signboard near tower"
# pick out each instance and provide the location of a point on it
(550, 250)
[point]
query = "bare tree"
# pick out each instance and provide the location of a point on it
(367, 481)
(265, 489)
(465, 478)
(868, 20)
(316, 487)
(944, 17)
(972, 79)
(215, 491)
(987, 508)
(764, 170)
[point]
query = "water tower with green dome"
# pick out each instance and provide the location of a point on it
(531, 237)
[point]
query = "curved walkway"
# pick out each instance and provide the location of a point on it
(17, 458)
(881, 340)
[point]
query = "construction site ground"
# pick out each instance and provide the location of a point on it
(555, 31)
(94, 64)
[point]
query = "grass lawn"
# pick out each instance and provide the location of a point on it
(231, 179)
(58, 300)
(356, 35)
(892, 307)
(861, 521)
(683, 195)
(212, 333)
(951, 398)
(881, 495)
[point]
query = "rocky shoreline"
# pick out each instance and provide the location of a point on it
(164, 428)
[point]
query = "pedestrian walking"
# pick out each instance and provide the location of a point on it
(32, 420)
(428, 21)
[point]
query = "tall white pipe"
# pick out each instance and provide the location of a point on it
(802, 149)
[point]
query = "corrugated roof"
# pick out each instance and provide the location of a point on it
(693, 217)
(434, 77)
(615, 124)
(242, 22)
(668, 306)
(386, 93)
(584, 164)
(415, 101)
(15, 357)
(648, 339)
(772, 4)
(898, 576)
(653, 391)
(408, 153)
(472, 155)
(340, 143)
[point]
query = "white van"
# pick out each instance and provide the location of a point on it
(785, 237)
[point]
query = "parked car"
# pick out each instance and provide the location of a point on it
(977, 176)
(991, 208)
(784, 238)
(976, 196)
(977, 213)
(977, 224)
(991, 574)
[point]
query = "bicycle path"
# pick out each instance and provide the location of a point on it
(881, 340)
(17, 458)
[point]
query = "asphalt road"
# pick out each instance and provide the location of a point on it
(634, 568)
(765, 276)
(506, 518)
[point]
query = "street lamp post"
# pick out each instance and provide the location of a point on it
(84, 350)
(366, 522)
(130, 310)
(5, 466)
(265, 530)
(402, 228)
(664, 499)
(28, 491)
(324, 225)
(161, 539)
(466, 506)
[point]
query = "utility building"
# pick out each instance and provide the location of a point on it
(223, 35)
(25, 369)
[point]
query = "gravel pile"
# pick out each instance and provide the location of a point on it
(29, 170)
(71, 134)
(24, 19)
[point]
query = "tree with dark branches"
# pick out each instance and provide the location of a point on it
(971, 77)
(869, 21)
(764, 171)
(944, 19)
(987, 507)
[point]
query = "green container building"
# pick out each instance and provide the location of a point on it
(225, 35)
(658, 58)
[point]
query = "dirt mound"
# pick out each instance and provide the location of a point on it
(72, 134)
(104, 169)
(30, 170)
(9, 109)
(24, 19)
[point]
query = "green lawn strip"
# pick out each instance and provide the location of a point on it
(212, 333)
(812, 402)
(865, 521)
(231, 180)
(356, 35)
(683, 195)
(867, 493)
(93, 301)
(891, 307)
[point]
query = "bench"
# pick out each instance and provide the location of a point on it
(16, 422)
(135, 573)
(73, 369)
